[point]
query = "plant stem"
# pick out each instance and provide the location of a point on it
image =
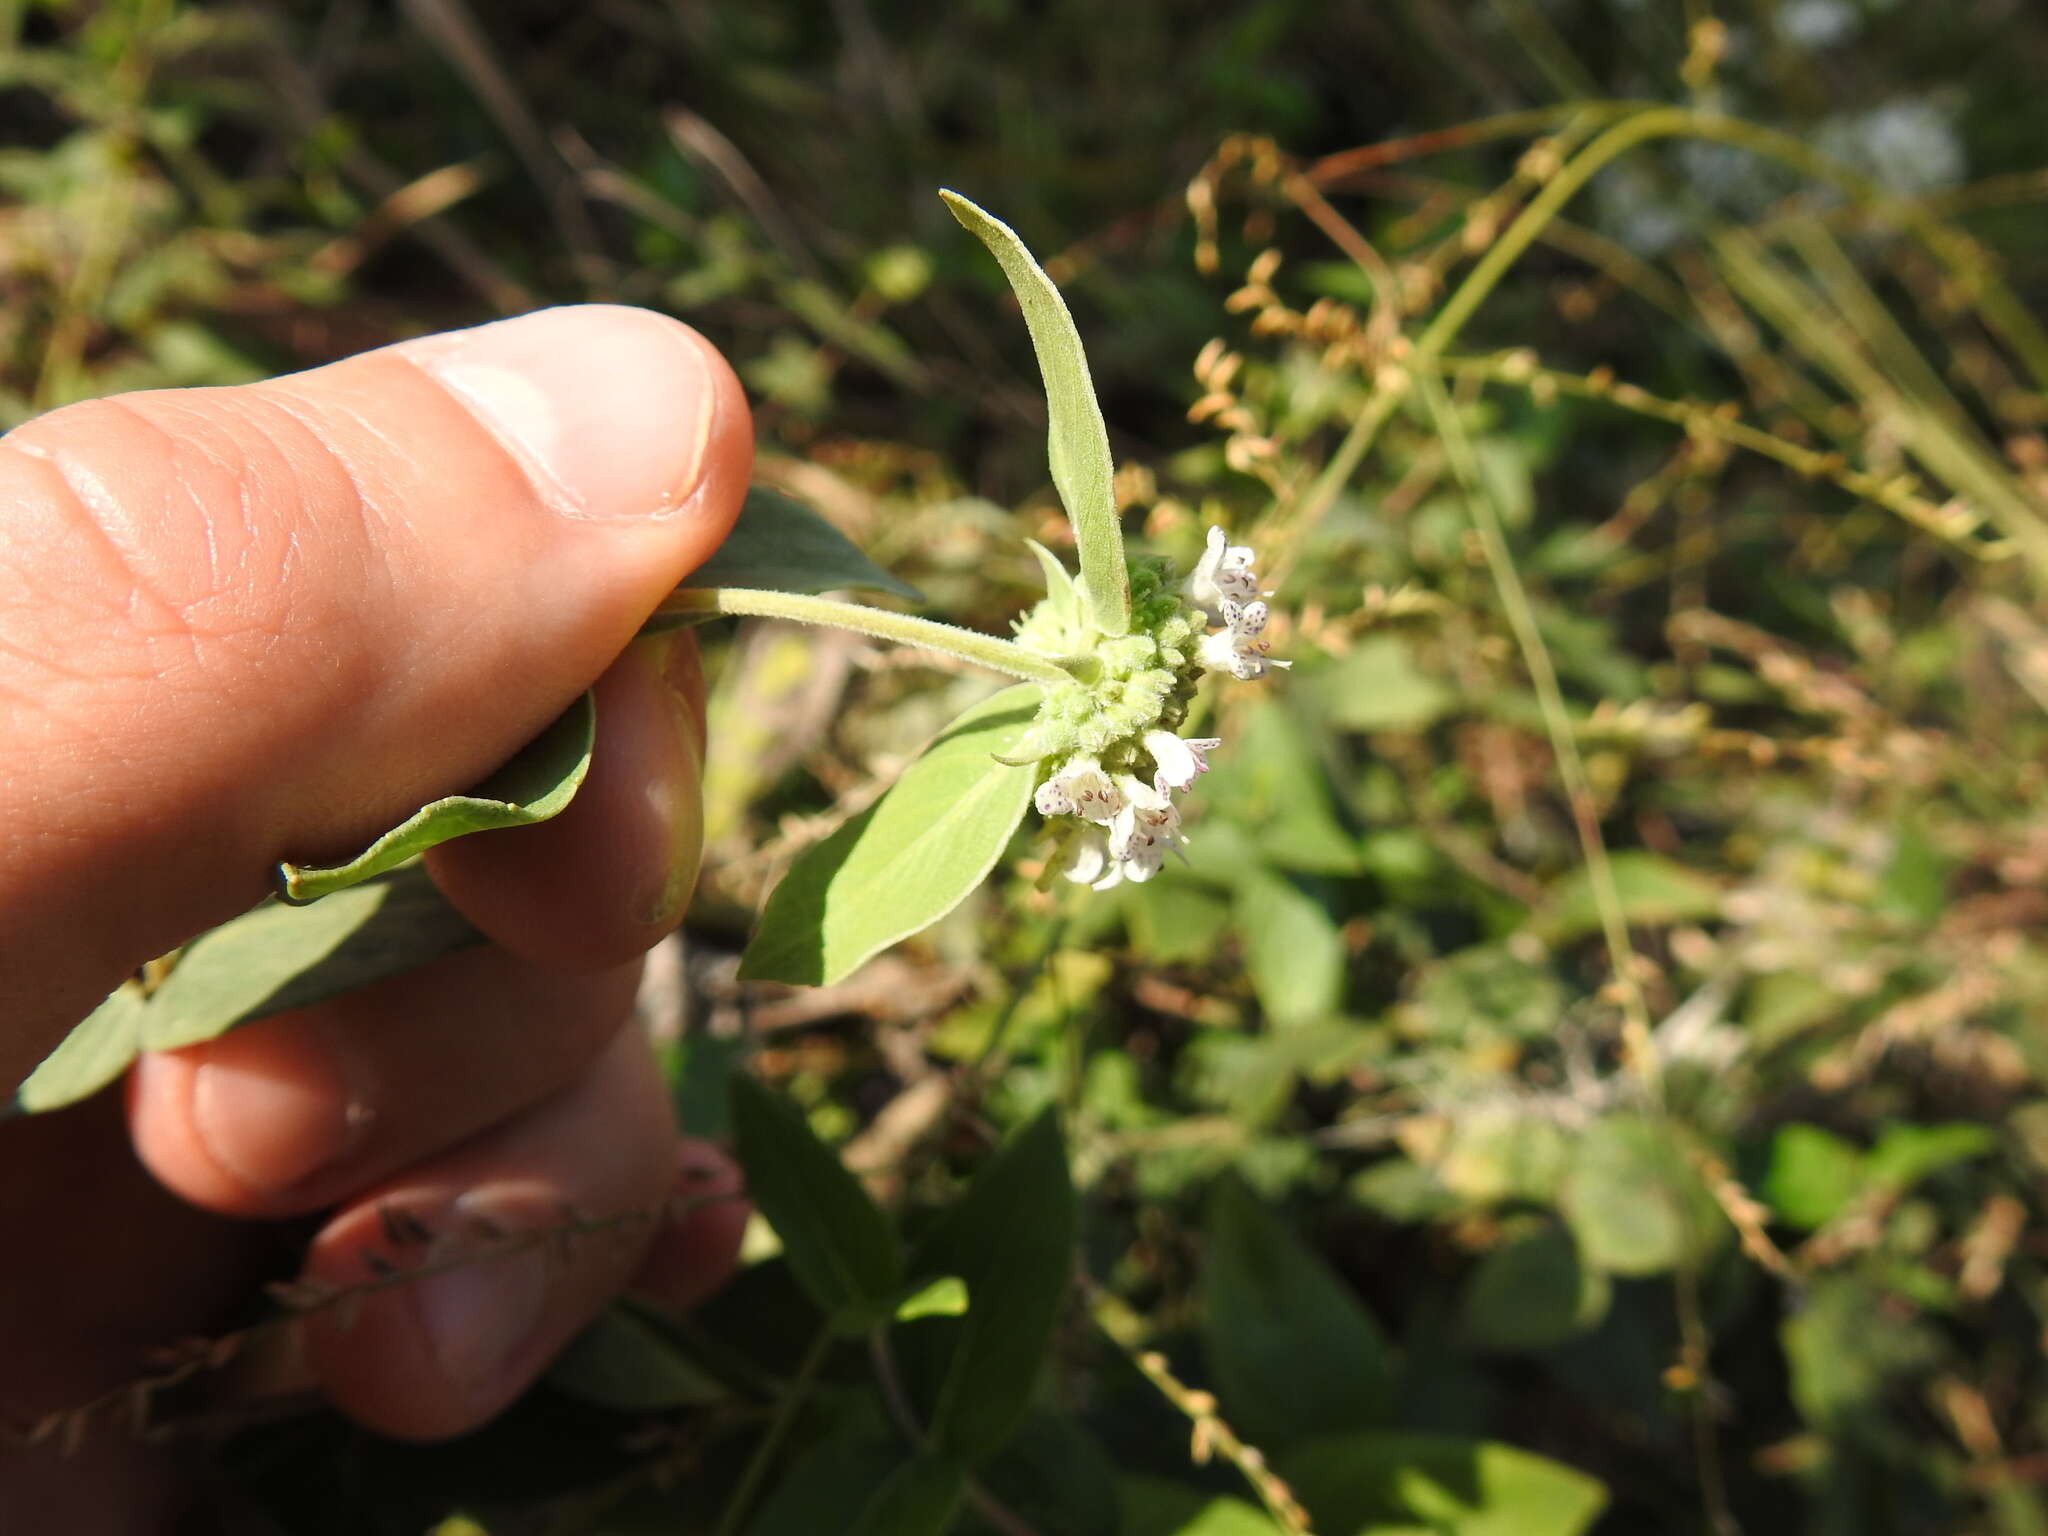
(1571, 768)
(926, 634)
(889, 1381)
(799, 1388)
(1212, 1436)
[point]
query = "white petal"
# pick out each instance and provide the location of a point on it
(1052, 799)
(1087, 858)
(1179, 761)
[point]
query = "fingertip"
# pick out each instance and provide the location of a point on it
(609, 877)
(459, 1280)
(697, 1248)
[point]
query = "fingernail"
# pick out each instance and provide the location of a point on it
(674, 793)
(275, 1104)
(696, 1248)
(609, 409)
(480, 1315)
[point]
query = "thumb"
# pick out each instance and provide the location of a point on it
(239, 625)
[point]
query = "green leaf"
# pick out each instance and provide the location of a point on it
(1533, 1293)
(780, 545)
(943, 1297)
(1813, 1176)
(1634, 1203)
(277, 958)
(1652, 890)
(538, 783)
(1053, 1476)
(907, 860)
(1292, 949)
(271, 960)
(1905, 1154)
(836, 1239)
(1060, 591)
(1376, 686)
(1154, 1507)
(919, 1499)
(1175, 919)
(97, 1051)
(1485, 991)
(834, 1477)
(1444, 1486)
(1275, 785)
(1845, 1345)
(1292, 1351)
(624, 1361)
(1011, 1239)
(1078, 442)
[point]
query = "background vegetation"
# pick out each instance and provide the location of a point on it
(1591, 1074)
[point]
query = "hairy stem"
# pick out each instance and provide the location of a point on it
(926, 634)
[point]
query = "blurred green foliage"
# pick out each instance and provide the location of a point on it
(1590, 1073)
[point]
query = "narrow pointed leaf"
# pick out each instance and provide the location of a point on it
(538, 783)
(1059, 584)
(1292, 1351)
(270, 960)
(624, 1362)
(277, 958)
(780, 545)
(920, 1499)
(1011, 1239)
(1078, 441)
(97, 1051)
(836, 1239)
(1407, 1482)
(907, 860)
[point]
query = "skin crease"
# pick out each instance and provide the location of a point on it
(289, 610)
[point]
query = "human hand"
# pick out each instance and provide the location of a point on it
(242, 625)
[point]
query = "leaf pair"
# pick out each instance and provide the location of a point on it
(1007, 1246)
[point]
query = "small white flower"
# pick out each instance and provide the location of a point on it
(1222, 576)
(1179, 760)
(1239, 650)
(1145, 830)
(1080, 789)
(1088, 861)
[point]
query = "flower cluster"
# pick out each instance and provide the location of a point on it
(1114, 757)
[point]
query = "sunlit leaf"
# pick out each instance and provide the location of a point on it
(906, 861)
(538, 783)
(1813, 1175)
(1154, 1507)
(1376, 686)
(1444, 1486)
(1651, 890)
(836, 1239)
(1078, 442)
(1633, 1201)
(943, 1297)
(95, 1052)
(1292, 949)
